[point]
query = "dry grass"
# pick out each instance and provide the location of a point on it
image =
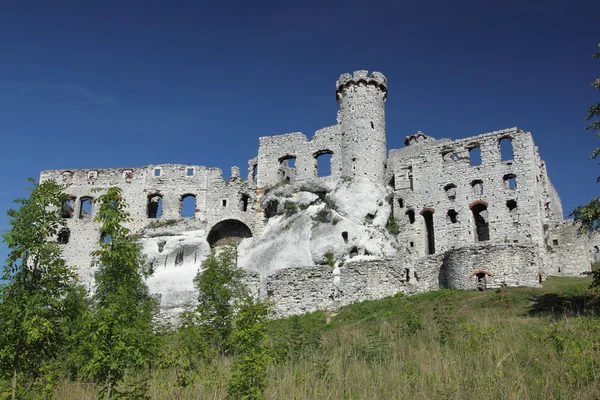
(520, 343)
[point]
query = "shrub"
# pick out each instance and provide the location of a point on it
(323, 216)
(392, 226)
(329, 258)
(162, 224)
(290, 209)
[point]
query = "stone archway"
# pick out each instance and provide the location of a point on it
(229, 231)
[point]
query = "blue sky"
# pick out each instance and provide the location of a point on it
(130, 83)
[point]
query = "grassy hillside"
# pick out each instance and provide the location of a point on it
(517, 343)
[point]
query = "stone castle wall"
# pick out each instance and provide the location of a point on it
(454, 213)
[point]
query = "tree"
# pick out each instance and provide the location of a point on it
(120, 324)
(37, 301)
(220, 290)
(589, 215)
(249, 338)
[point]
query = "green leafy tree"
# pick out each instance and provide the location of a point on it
(220, 290)
(119, 328)
(249, 338)
(37, 303)
(589, 215)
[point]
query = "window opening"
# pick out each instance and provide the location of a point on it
(428, 216)
(63, 236)
(157, 172)
(68, 207)
(345, 237)
(323, 161)
(188, 206)
(452, 215)
(224, 203)
(448, 156)
(401, 203)
(254, 172)
(244, 200)
(506, 149)
(480, 215)
(85, 207)
(189, 171)
(511, 204)
(287, 165)
(410, 178)
(555, 242)
(104, 238)
(510, 181)
(411, 216)
(477, 186)
(154, 206)
(450, 191)
(179, 257)
(475, 156)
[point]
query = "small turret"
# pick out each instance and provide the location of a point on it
(361, 99)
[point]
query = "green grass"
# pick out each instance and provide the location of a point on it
(512, 343)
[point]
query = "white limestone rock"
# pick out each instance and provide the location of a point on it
(346, 218)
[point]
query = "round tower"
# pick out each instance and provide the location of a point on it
(361, 99)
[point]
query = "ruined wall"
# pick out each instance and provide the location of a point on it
(438, 177)
(567, 251)
(455, 215)
(277, 153)
(510, 264)
(307, 289)
(175, 246)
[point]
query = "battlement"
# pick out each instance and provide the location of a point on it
(346, 81)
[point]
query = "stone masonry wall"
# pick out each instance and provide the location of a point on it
(568, 252)
(510, 264)
(216, 200)
(437, 176)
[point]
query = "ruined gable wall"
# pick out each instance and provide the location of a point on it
(170, 182)
(568, 252)
(433, 169)
(273, 148)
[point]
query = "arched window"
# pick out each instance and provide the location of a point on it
(506, 149)
(480, 215)
(68, 207)
(244, 200)
(287, 166)
(85, 207)
(411, 216)
(428, 217)
(475, 155)
(323, 162)
(154, 209)
(188, 206)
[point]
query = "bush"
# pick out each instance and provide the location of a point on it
(323, 216)
(290, 209)
(392, 226)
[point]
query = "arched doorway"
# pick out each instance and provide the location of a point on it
(228, 232)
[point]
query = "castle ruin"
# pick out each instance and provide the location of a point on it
(420, 218)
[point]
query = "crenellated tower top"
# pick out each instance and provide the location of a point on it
(361, 77)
